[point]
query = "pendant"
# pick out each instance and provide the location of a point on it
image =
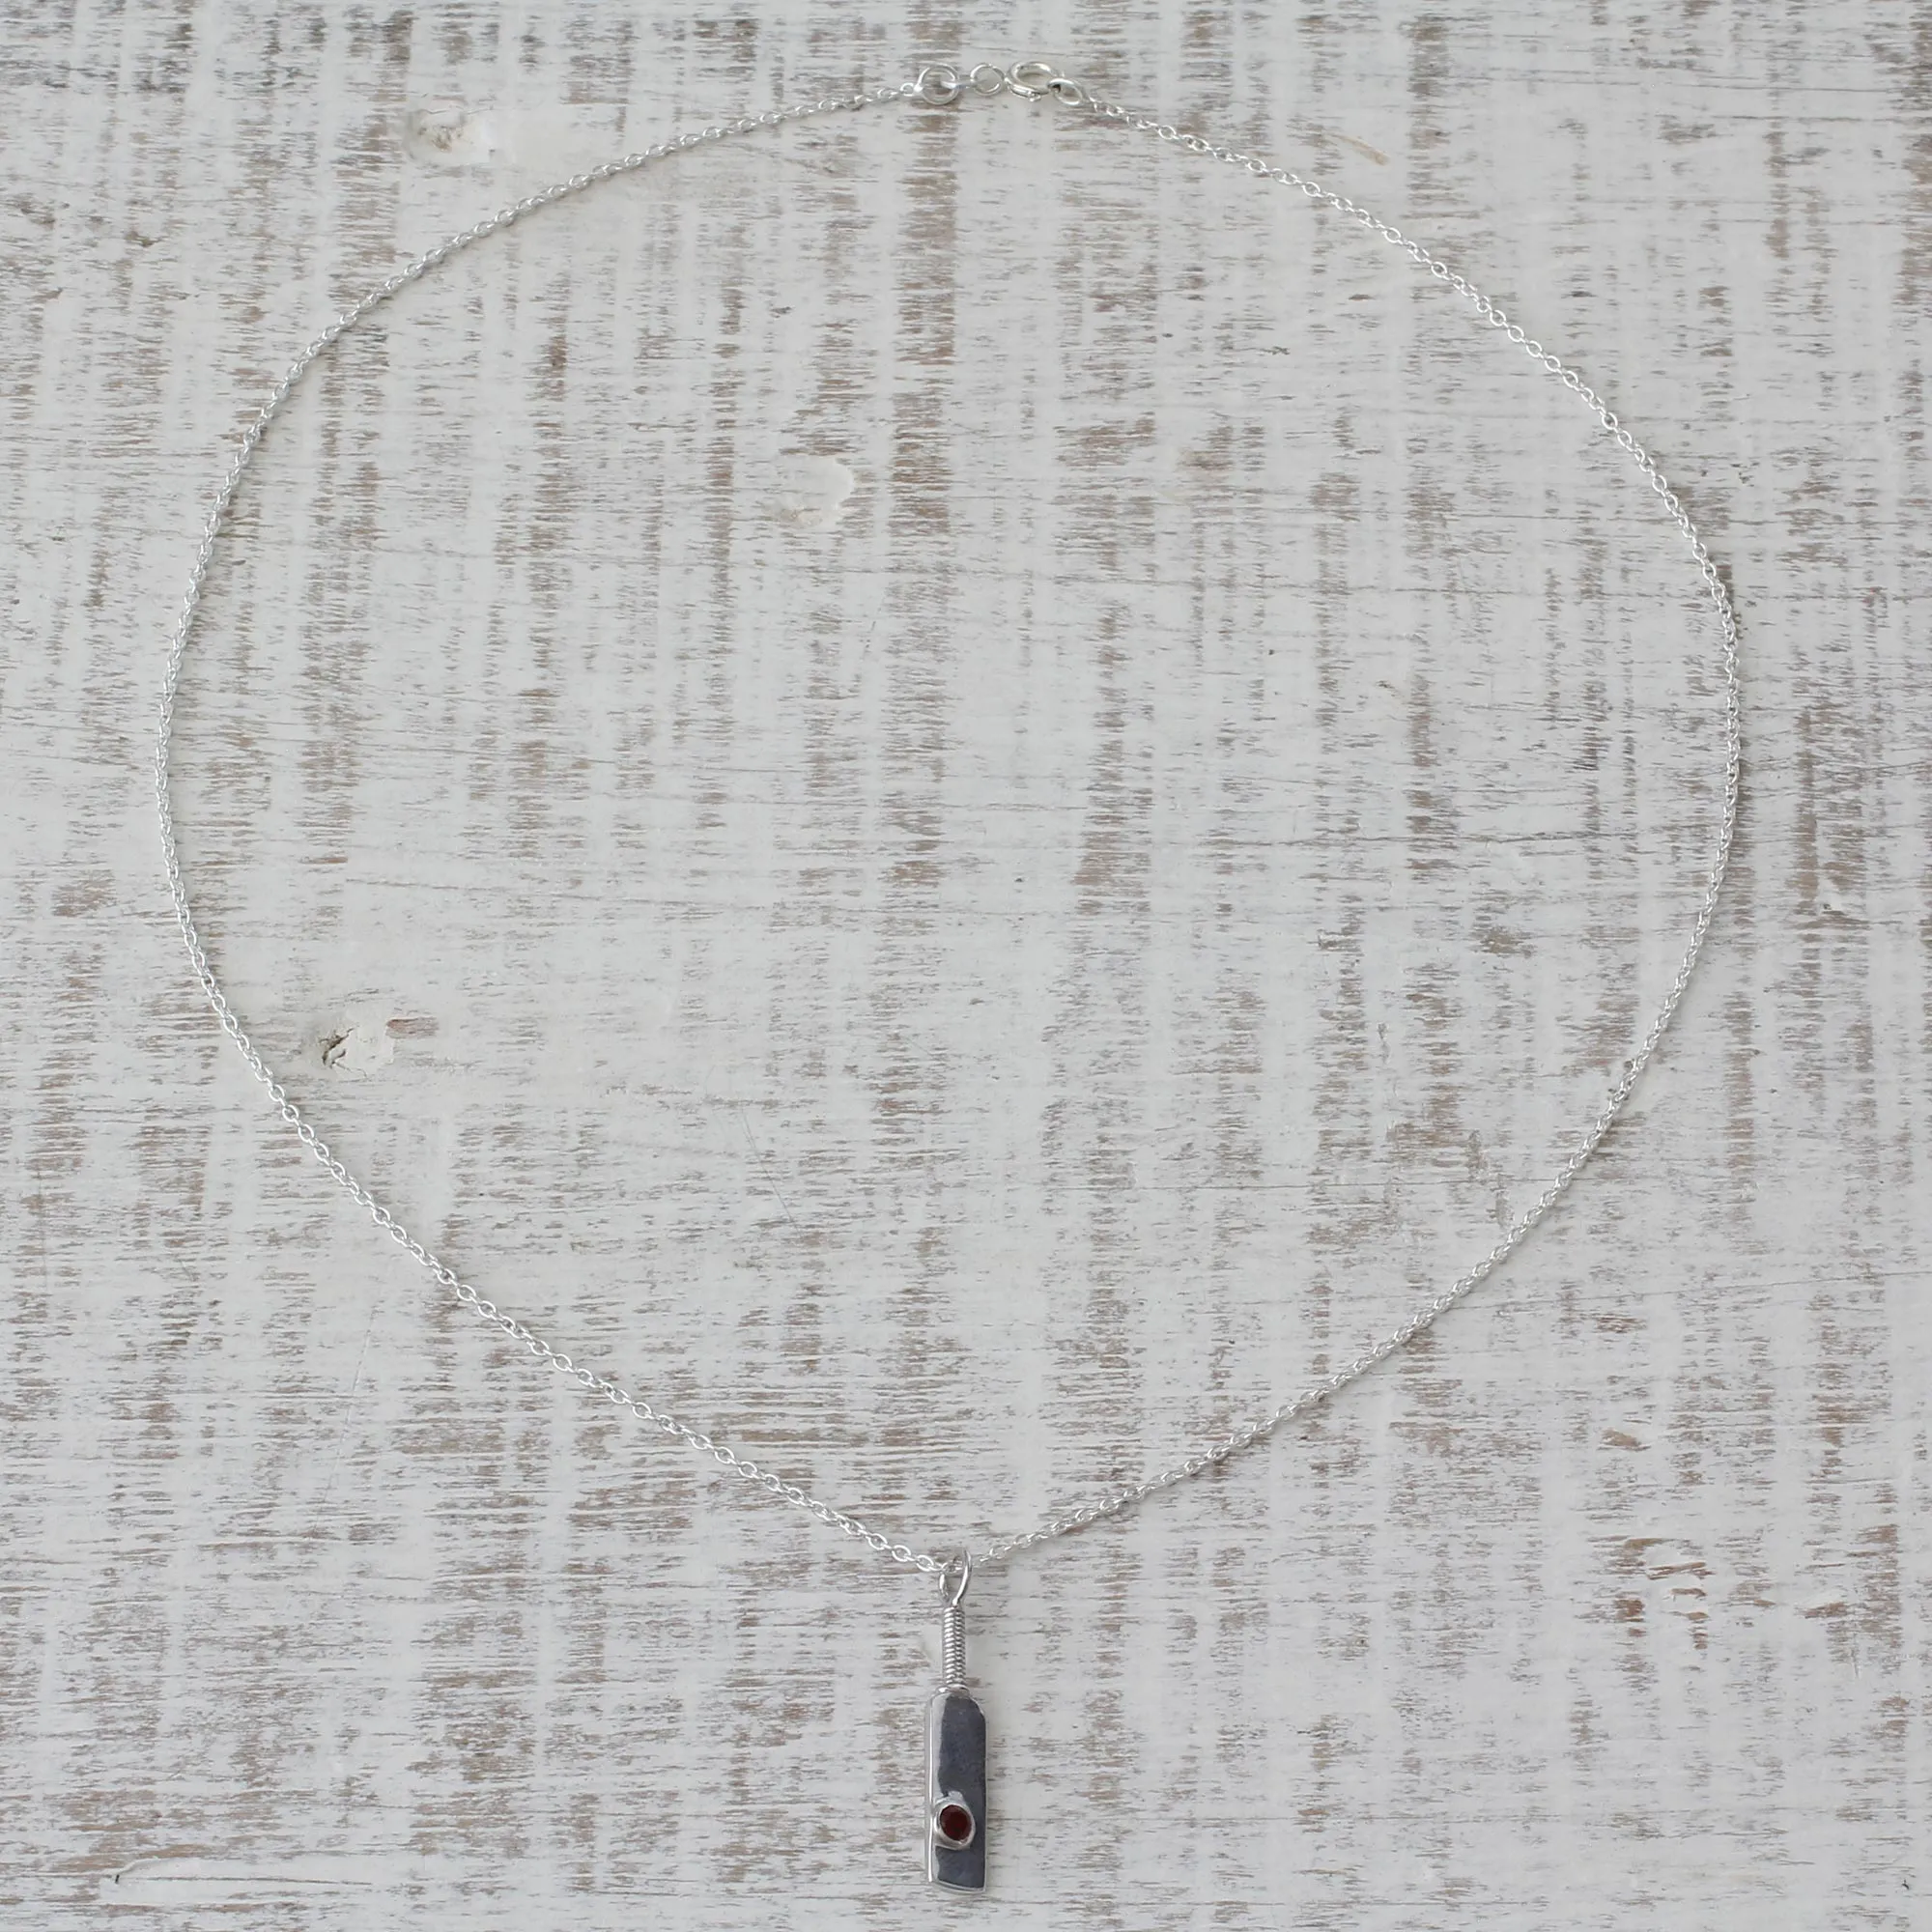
(956, 1754)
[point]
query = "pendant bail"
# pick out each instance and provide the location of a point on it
(954, 1581)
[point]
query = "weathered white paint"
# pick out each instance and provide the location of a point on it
(967, 798)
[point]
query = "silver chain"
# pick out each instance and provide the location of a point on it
(940, 86)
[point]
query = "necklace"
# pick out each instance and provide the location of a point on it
(955, 1828)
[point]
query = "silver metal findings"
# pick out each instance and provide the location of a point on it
(955, 1753)
(942, 84)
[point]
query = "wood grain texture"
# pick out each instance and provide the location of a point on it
(968, 799)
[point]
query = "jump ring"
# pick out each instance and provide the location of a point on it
(955, 1574)
(937, 86)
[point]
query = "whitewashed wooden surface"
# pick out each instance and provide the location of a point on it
(968, 798)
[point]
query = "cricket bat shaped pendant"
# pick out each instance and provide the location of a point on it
(955, 1754)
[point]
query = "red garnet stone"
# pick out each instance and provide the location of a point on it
(955, 1824)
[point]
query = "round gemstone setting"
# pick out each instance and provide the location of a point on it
(952, 1824)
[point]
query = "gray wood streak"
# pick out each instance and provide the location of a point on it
(967, 798)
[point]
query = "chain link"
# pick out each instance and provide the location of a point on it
(936, 86)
